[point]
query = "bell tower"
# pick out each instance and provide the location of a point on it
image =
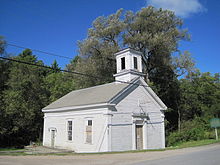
(128, 64)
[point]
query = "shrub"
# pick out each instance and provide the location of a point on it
(196, 129)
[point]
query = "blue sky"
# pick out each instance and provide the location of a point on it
(55, 25)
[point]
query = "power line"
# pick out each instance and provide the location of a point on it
(48, 53)
(63, 70)
(82, 74)
(61, 56)
(52, 54)
(43, 66)
(40, 51)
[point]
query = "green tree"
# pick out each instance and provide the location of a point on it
(55, 67)
(2, 45)
(156, 33)
(23, 101)
(4, 76)
(57, 83)
(200, 96)
(199, 102)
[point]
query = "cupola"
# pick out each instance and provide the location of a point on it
(128, 64)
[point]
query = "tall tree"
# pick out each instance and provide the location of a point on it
(4, 76)
(97, 50)
(2, 45)
(55, 67)
(23, 101)
(154, 32)
(57, 83)
(200, 96)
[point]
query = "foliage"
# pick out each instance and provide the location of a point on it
(199, 102)
(4, 76)
(200, 96)
(55, 67)
(183, 64)
(154, 32)
(23, 100)
(2, 45)
(196, 129)
(192, 100)
(58, 84)
(25, 90)
(193, 144)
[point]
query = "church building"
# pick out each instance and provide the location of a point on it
(119, 116)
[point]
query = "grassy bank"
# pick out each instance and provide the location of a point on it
(17, 152)
(11, 149)
(194, 144)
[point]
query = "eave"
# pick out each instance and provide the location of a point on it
(81, 107)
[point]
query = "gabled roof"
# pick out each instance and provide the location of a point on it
(88, 96)
(110, 93)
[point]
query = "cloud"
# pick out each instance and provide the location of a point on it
(182, 8)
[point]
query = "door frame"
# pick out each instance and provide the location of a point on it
(140, 127)
(143, 122)
(53, 132)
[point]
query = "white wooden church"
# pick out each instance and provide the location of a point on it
(116, 116)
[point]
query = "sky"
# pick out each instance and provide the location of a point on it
(56, 26)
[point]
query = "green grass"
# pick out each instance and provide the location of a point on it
(178, 146)
(11, 149)
(193, 144)
(13, 154)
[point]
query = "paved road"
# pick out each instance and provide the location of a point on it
(205, 155)
(209, 156)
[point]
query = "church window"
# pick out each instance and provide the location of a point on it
(89, 132)
(70, 130)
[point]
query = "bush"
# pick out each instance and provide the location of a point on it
(192, 130)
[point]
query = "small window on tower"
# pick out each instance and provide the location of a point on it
(122, 63)
(135, 63)
(90, 122)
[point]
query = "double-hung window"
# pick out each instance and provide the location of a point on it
(70, 130)
(89, 131)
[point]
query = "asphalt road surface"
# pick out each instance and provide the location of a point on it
(205, 155)
(209, 156)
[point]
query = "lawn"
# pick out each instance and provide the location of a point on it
(17, 152)
(11, 149)
(194, 143)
